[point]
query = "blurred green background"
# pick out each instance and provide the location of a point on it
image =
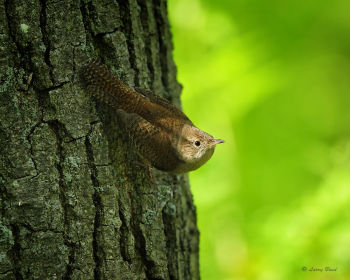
(272, 78)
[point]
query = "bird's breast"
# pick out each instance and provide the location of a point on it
(190, 165)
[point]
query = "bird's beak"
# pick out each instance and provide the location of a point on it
(217, 141)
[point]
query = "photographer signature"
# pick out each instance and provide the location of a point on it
(320, 269)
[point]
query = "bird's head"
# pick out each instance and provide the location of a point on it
(196, 145)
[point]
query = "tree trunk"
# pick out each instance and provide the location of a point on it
(74, 202)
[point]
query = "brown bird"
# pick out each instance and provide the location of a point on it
(162, 134)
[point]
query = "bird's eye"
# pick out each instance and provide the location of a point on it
(197, 143)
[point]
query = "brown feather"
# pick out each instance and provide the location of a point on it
(153, 145)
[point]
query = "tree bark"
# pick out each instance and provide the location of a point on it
(74, 203)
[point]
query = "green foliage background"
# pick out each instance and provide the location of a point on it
(272, 78)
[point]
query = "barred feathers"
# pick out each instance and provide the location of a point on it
(106, 87)
(144, 115)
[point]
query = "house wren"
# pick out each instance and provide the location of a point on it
(162, 134)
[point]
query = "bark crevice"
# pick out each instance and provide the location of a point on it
(59, 132)
(45, 38)
(11, 32)
(170, 234)
(85, 20)
(163, 48)
(97, 201)
(16, 252)
(124, 232)
(3, 193)
(127, 29)
(145, 21)
(31, 152)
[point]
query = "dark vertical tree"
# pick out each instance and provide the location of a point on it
(74, 203)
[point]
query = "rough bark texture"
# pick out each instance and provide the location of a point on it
(74, 205)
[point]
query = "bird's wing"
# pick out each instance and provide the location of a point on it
(151, 142)
(177, 113)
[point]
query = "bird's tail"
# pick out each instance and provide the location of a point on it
(105, 86)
